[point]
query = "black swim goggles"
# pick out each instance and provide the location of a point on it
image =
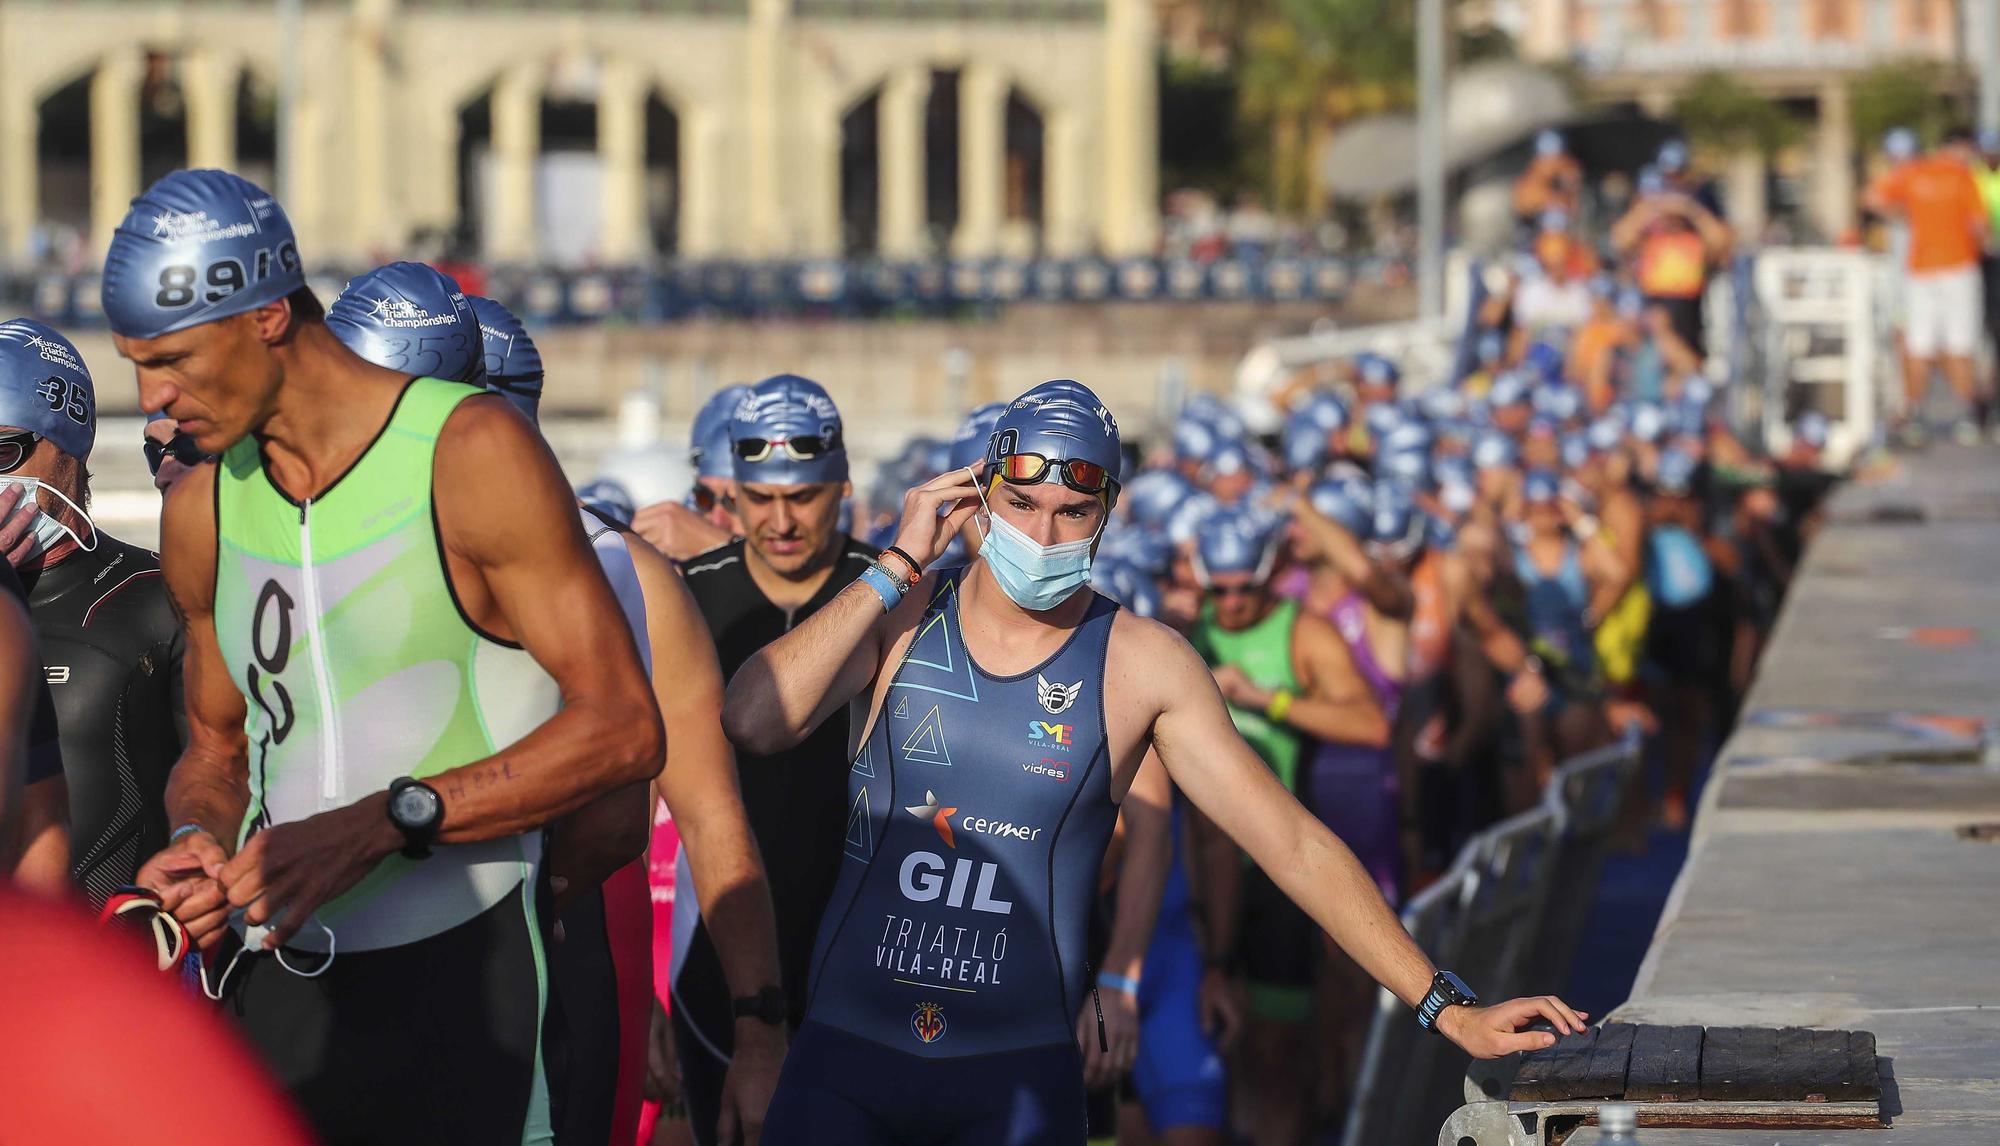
(180, 447)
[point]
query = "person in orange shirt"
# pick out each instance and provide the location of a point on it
(1938, 199)
(1674, 240)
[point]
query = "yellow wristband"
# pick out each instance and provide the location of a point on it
(1281, 703)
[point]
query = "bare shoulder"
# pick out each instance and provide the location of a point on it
(1148, 660)
(485, 427)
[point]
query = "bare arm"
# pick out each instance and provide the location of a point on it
(699, 786)
(209, 786)
(699, 782)
(608, 733)
(1337, 704)
(1625, 233)
(1211, 763)
(1142, 876)
(1386, 589)
(793, 684)
(42, 838)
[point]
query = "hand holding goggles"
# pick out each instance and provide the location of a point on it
(1033, 469)
(801, 448)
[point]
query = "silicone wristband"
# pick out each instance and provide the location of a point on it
(916, 570)
(1281, 703)
(885, 586)
(1123, 983)
(187, 829)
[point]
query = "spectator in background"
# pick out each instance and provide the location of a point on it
(1552, 182)
(1937, 197)
(1556, 294)
(1676, 238)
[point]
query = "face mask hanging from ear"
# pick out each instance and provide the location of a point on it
(1035, 577)
(49, 532)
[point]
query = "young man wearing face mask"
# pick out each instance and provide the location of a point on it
(110, 641)
(789, 478)
(949, 967)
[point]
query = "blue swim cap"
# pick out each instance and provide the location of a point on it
(786, 409)
(1347, 501)
(1490, 346)
(513, 365)
(1395, 523)
(1126, 584)
(1230, 458)
(196, 247)
(1559, 400)
(1457, 485)
(1676, 472)
(1899, 143)
(1376, 370)
(610, 499)
(1441, 404)
(1541, 487)
(1508, 391)
(1194, 440)
(1544, 361)
(412, 318)
(709, 443)
(1604, 435)
(1494, 449)
(1186, 519)
(45, 387)
(1651, 182)
(1303, 442)
(1575, 451)
(1382, 419)
(968, 442)
(1649, 422)
(1060, 420)
(1673, 156)
(1238, 541)
(1155, 494)
(1548, 141)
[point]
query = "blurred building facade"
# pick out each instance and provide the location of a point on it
(599, 134)
(1803, 52)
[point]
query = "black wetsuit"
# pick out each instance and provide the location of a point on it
(796, 801)
(112, 647)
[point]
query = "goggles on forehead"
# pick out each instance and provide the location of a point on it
(800, 448)
(1034, 469)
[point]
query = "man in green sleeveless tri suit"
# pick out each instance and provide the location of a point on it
(402, 663)
(1288, 678)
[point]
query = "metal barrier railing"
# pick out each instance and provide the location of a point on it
(1488, 919)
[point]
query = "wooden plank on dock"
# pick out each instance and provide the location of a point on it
(1665, 1066)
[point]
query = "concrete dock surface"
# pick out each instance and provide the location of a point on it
(1844, 870)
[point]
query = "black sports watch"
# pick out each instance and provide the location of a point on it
(418, 812)
(1447, 990)
(766, 1006)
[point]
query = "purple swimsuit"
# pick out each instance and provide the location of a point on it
(1352, 788)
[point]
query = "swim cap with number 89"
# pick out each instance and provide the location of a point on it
(196, 247)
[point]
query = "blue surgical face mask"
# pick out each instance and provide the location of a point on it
(49, 532)
(1035, 577)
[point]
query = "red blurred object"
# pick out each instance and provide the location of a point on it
(108, 1050)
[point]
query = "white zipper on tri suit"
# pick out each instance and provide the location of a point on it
(329, 724)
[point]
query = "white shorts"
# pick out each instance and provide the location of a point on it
(1946, 310)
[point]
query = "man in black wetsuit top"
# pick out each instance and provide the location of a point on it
(110, 642)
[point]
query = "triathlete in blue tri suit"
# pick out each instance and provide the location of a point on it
(1003, 714)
